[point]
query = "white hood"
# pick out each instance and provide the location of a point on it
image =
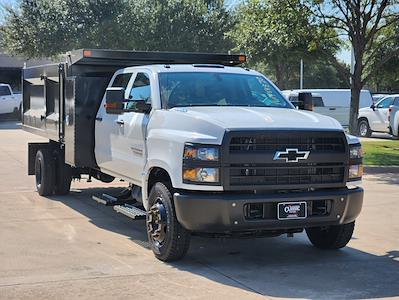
(261, 117)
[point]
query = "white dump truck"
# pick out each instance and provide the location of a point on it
(208, 147)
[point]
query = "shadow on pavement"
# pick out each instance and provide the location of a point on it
(277, 267)
(7, 123)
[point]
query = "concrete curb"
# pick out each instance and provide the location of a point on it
(381, 169)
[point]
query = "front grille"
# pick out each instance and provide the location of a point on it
(262, 143)
(249, 160)
(268, 210)
(258, 175)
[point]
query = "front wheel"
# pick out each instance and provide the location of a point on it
(331, 237)
(364, 128)
(168, 239)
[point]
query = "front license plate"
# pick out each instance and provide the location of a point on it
(291, 210)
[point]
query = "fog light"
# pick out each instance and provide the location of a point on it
(201, 175)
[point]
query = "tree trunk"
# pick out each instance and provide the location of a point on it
(356, 87)
(280, 81)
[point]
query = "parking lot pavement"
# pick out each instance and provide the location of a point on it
(71, 247)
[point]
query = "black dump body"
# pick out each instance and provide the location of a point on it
(60, 101)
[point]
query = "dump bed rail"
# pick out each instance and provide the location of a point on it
(126, 58)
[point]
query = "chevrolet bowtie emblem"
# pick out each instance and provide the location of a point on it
(291, 155)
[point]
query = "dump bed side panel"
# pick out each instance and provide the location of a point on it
(41, 101)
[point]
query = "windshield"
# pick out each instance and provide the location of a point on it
(218, 89)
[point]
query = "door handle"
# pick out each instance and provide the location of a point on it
(42, 117)
(99, 119)
(121, 122)
(332, 108)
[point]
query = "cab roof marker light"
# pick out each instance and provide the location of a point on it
(87, 53)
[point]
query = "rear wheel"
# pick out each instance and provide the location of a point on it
(168, 239)
(364, 128)
(331, 237)
(44, 172)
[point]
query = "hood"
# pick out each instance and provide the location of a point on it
(260, 117)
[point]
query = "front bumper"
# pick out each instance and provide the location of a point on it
(225, 212)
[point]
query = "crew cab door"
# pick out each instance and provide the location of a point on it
(120, 138)
(6, 100)
(133, 126)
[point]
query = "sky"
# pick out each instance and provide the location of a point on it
(343, 55)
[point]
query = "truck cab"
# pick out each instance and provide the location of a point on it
(208, 147)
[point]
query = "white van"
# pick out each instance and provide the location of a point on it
(334, 102)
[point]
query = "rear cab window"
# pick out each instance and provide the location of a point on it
(122, 80)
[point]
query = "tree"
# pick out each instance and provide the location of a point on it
(386, 79)
(278, 34)
(362, 21)
(51, 27)
(178, 25)
(46, 28)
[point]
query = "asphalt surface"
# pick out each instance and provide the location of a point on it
(70, 247)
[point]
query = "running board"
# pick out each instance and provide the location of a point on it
(109, 200)
(130, 211)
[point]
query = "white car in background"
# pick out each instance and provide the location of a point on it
(394, 117)
(334, 103)
(376, 117)
(10, 103)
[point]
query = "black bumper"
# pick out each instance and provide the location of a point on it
(225, 212)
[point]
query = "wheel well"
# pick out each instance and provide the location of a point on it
(158, 175)
(363, 118)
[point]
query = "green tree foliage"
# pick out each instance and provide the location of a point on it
(50, 27)
(385, 78)
(278, 34)
(178, 25)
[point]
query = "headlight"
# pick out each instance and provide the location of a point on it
(197, 152)
(201, 175)
(201, 164)
(355, 162)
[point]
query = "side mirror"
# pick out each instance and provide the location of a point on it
(305, 101)
(372, 106)
(114, 100)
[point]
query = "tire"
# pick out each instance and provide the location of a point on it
(44, 172)
(168, 239)
(63, 176)
(364, 128)
(331, 237)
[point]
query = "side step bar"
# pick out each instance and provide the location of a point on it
(130, 211)
(109, 200)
